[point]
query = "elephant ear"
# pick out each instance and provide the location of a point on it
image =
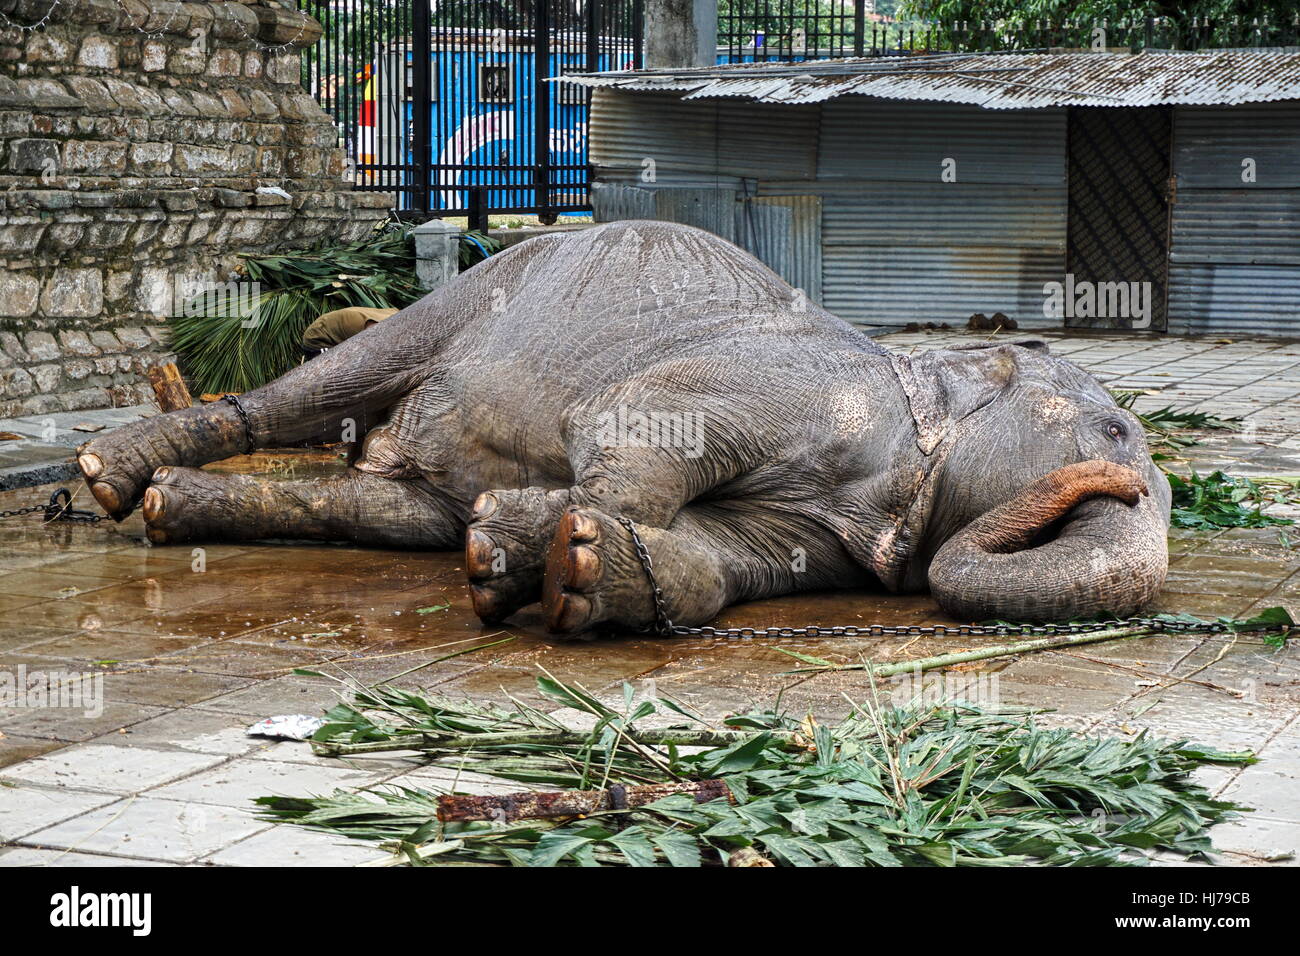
(946, 385)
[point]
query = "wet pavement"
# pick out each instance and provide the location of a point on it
(179, 649)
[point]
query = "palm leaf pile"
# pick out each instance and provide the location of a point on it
(237, 343)
(1214, 501)
(930, 785)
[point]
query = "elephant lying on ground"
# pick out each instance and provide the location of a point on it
(656, 373)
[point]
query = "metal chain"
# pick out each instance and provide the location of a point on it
(243, 417)
(59, 508)
(664, 626)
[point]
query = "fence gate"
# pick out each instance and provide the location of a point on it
(447, 102)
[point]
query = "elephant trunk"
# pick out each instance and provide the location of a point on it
(1109, 554)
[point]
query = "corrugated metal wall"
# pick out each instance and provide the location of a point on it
(696, 141)
(877, 237)
(1235, 256)
(902, 245)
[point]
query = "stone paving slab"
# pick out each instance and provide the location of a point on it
(164, 774)
(150, 829)
(45, 451)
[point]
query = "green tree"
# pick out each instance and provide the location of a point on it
(1057, 11)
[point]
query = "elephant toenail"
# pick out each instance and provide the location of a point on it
(582, 527)
(92, 466)
(584, 568)
(154, 504)
(484, 505)
(486, 603)
(572, 612)
(162, 474)
(478, 554)
(156, 535)
(107, 496)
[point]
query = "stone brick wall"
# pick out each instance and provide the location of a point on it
(143, 144)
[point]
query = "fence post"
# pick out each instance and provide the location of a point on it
(859, 26)
(542, 111)
(437, 253)
(421, 104)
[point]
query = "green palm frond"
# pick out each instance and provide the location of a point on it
(224, 346)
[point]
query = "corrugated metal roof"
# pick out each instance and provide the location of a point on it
(993, 81)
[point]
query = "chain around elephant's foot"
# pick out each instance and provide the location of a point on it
(505, 548)
(593, 576)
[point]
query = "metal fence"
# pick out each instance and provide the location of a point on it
(449, 104)
(757, 31)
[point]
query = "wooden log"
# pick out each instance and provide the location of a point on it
(533, 805)
(169, 388)
(748, 856)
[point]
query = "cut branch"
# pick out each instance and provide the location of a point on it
(984, 653)
(532, 805)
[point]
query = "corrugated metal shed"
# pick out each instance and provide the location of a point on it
(992, 81)
(684, 137)
(1234, 263)
(842, 188)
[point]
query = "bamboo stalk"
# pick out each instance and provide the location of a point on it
(895, 668)
(540, 738)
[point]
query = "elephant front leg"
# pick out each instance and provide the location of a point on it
(708, 558)
(505, 547)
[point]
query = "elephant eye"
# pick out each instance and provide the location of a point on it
(1115, 430)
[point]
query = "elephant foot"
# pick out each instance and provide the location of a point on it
(505, 548)
(184, 504)
(593, 576)
(119, 465)
(117, 469)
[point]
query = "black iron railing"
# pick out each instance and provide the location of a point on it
(757, 31)
(449, 105)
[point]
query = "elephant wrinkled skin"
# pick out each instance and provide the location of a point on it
(654, 372)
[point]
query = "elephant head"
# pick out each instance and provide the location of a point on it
(1041, 501)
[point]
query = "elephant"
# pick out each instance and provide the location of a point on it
(651, 377)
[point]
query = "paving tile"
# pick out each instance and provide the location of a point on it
(201, 731)
(238, 782)
(108, 768)
(168, 686)
(72, 724)
(30, 856)
(146, 828)
(15, 749)
(1257, 841)
(26, 808)
(106, 645)
(283, 695)
(295, 846)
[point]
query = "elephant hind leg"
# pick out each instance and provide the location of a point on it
(709, 557)
(186, 504)
(117, 466)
